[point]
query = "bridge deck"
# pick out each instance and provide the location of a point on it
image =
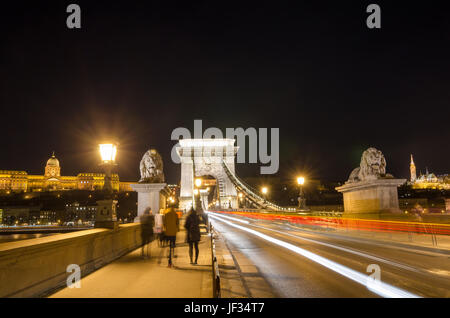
(132, 276)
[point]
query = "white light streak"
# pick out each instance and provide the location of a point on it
(380, 288)
(229, 217)
(346, 250)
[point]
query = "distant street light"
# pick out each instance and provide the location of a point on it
(264, 191)
(301, 194)
(241, 197)
(195, 199)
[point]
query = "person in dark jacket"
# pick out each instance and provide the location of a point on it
(192, 226)
(147, 224)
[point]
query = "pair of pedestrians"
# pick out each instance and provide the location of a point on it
(192, 226)
(170, 224)
(171, 227)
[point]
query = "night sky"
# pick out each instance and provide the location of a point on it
(138, 69)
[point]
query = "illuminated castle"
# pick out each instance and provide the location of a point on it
(18, 181)
(428, 180)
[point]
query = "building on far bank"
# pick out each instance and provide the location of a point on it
(18, 181)
(83, 212)
(428, 180)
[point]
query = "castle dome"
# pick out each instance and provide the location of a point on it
(53, 162)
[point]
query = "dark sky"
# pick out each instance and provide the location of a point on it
(138, 69)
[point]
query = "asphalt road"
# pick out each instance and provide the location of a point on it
(298, 263)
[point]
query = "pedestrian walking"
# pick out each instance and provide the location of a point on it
(192, 226)
(147, 224)
(171, 227)
(159, 228)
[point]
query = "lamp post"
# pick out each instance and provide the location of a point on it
(108, 154)
(241, 197)
(106, 215)
(197, 184)
(301, 194)
(264, 191)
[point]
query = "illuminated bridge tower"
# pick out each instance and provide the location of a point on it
(412, 168)
(206, 157)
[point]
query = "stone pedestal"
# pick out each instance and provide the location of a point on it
(148, 197)
(106, 215)
(371, 197)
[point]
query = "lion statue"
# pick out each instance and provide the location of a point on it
(372, 167)
(151, 167)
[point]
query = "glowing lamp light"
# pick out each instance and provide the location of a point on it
(198, 182)
(264, 190)
(195, 191)
(108, 152)
(300, 180)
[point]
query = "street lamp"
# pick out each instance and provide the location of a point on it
(108, 154)
(301, 194)
(196, 198)
(264, 191)
(241, 197)
(106, 214)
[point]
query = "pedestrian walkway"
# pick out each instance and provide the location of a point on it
(132, 276)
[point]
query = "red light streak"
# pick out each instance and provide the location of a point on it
(351, 224)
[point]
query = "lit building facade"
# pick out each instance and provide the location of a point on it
(428, 180)
(21, 181)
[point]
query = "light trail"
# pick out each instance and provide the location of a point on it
(353, 224)
(348, 250)
(230, 218)
(378, 287)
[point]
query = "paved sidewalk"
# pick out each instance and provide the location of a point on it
(132, 276)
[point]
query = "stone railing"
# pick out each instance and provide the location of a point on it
(36, 267)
